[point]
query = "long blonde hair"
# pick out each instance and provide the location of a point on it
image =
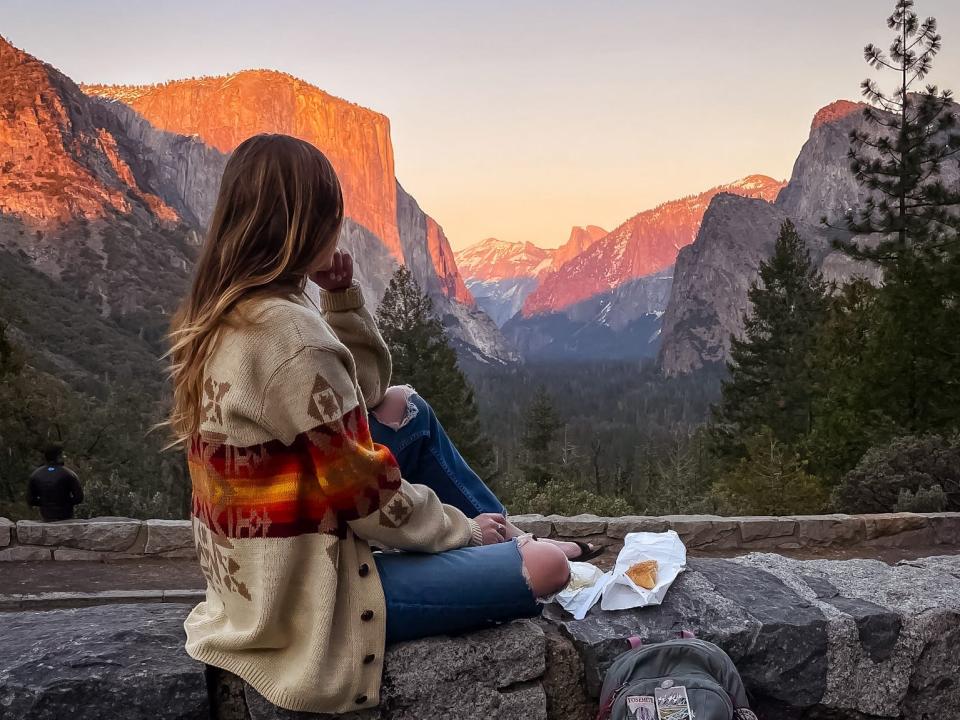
(280, 207)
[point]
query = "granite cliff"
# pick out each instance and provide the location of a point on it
(224, 111)
(708, 300)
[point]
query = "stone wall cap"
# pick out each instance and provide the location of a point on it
(81, 521)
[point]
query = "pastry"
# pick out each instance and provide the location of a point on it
(644, 573)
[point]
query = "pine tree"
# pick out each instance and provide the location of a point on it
(770, 480)
(910, 228)
(423, 358)
(845, 422)
(770, 383)
(538, 460)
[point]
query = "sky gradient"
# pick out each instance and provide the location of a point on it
(518, 120)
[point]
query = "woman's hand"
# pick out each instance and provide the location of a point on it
(338, 276)
(493, 526)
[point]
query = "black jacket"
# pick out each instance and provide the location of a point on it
(55, 489)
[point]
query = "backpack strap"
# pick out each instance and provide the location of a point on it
(603, 713)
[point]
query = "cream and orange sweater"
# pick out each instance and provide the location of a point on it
(288, 487)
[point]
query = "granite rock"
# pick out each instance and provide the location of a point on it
(6, 531)
(108, 534)
(837, 529)
(166, 535)
(567, 698)
(618, 527)
(536, 524)
(706, 530)
(115, 661)
(492, 673)
(578, 525)
(852, 639)
(946, 527)
(762, 528)
(886, 625)
(885, 524)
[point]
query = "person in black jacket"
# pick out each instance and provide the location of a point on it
(54, 488)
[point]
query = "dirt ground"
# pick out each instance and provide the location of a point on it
(81, 576)
(159, 574)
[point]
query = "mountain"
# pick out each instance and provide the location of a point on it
(225, 111)
(621, 324)
(386, 225)
(708, 300)
(91, 206)
(580, 239)
(645, 244)
(493, 259)
(501, 274)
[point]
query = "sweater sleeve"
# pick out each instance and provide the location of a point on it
(311, 405)
(356, 328)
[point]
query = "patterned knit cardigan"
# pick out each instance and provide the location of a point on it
(288, 487)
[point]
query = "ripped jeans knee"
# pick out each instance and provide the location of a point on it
(396, 409)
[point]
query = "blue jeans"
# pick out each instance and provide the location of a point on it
(427, 457)
(458, 590)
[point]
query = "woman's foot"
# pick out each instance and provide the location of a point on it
(579, 551)
(576, 552)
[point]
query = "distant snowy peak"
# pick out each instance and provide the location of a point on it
(492, 259)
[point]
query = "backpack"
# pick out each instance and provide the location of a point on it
(664, 674)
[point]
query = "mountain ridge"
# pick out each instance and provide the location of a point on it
(708, 300)
(644, 244)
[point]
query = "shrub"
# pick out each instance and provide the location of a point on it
(932, 499)
(559, 496)
(912, 464)
(771, 480)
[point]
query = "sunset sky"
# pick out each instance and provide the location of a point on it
(519, 119)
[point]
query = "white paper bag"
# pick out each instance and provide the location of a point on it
(582, 592)
(620, 592)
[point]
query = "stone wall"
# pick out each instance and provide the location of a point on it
(713, 532)
(103, 539)
(813, 640)
(110, 538)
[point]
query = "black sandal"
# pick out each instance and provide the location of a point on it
(587, 552)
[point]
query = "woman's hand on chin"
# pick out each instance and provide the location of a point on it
(493, 526)
(339, 276)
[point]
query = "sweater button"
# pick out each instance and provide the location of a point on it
(361, 700)
(364, 570)
(366, 615)
(367, 659)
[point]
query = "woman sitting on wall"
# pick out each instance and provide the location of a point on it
(272, 379)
